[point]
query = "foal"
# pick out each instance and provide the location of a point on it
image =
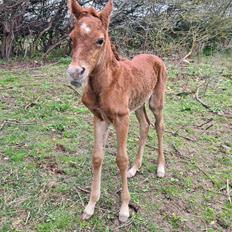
(114, 88)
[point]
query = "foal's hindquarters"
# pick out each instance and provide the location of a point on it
(156, 104)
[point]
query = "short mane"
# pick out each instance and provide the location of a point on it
(115, 52)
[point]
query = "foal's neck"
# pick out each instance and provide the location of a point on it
(103, 74)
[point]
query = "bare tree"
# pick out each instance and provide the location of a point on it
(166, 27)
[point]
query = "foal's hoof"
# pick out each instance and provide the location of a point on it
(123, 218)
(131, 172)
(161, 171)
(86, 216)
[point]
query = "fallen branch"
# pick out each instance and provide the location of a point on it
(83, 190)
(184, 59)
(204, 123)
(199, 100)
(13, 121)
(228, 115)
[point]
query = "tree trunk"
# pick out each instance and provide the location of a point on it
(7, 41)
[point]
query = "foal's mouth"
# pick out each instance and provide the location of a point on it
(77, 84)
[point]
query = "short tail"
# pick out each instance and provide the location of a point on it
(146, 116)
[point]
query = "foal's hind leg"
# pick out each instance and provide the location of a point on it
(156, 104)
(143, 131)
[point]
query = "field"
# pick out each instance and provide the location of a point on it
(46, 142)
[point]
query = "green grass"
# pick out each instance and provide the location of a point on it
(46, 142)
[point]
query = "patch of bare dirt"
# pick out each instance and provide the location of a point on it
(20, 65)
(51, 166)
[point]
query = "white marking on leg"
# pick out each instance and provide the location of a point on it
(124, 213)
(89, 211)
(131, 172)
(161, 171)
(85, 28)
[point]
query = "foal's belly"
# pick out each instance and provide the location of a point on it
(138, 101)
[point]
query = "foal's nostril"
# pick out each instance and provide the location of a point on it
(82, 71)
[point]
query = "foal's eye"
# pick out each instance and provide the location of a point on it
(100, 42)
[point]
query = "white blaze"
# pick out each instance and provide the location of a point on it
(85, 28)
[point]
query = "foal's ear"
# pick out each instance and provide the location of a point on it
(75, 8)
(105, 14)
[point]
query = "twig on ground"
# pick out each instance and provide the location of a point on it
(228, 190)
(31, 104)
(14, 121)
(2, 125)
(182, 136)
(184, 93)
(146, 179)
(199, 100)
(177, 151)
(79, 195)
(204, 123)
(125, 224)
(205, 173)
(11, 87)
(69, 86)
(208, 107)
(83, 190)
(28, 216)
(208, 126)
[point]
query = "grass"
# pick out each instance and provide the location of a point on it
(45, 154)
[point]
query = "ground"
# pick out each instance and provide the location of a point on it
(46, 142)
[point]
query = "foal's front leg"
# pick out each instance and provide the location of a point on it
(100, 136)
(121, 125)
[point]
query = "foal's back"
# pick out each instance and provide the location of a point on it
(140, 76)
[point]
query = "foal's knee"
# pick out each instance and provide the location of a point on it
(155, 108)
(97, 162)
(122, 162)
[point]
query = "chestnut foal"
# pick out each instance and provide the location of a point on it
(114, 88)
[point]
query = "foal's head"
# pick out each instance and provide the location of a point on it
(88, 40)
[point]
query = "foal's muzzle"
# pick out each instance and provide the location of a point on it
(76, 75)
